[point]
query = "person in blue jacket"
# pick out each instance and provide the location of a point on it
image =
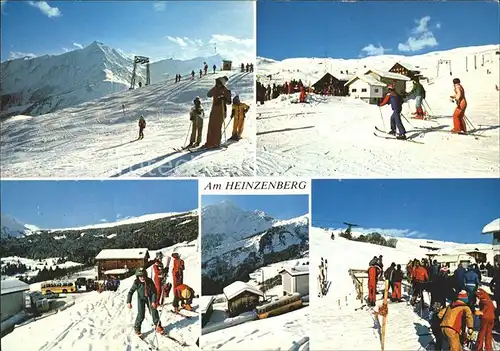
(472, 283)
(396, 102)
(459, 277)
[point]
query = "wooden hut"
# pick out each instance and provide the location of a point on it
(405, 69)
(120, 261)
(227, 65)
(241, 297)
(331, 85)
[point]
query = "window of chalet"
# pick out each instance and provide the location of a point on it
(376, 90)
(353, 90)
(363, 90)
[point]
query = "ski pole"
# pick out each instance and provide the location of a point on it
(157, 324)
(382, 117)
(468, 120)
(189, 128)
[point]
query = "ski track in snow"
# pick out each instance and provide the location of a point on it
(102, 322)
(97, 139)
(333, 136)
(334, 317)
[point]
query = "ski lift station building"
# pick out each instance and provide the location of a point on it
(120, 261)
(295, 280)
(242, 297)
(12, 297)
(227, 65)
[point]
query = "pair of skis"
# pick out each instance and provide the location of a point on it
(386, 135)
(323, 278)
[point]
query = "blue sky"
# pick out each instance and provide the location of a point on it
(158, 29)
(358, 29)
(443, 209)
(277, 206)
(64, 204)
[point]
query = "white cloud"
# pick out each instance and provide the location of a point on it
(46, 9)
(159, 6)
(66, 50)
(372, 50)
(400, 233)
(103, 220)
(438, 25)
(79, 46)
(177, 40)
(420, 38)
(118, 215)
(16, 54)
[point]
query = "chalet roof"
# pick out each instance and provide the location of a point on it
(388, 75)
(296, 271)
(367, 79)
(408, 66)
(492, 227)
(236, 288)
(122, 254)
(205, 302)
(10, 286)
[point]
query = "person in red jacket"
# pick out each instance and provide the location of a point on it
(420, 279)
(459, 114)
(487, 313)
(184, 295)
(142, 126)
(158, 270)
(373, 273)
(177, 270)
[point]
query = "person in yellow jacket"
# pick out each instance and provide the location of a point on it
(451, 321)
(238, 113)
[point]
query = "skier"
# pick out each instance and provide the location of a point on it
(396, 102)
(459, 113)
(302, 96)
(459, 277)
(373, 273)
(419, 92)
(242, 67)
(205, 68)
(381, 266)
(184, 295)
(487, 313)
(201, 73)
(177, 270)
(420, 279)
(388, 276)
(221, 96)
(472, 282)
(146, 296)
(214, 67)
(192, 74)
(238, 112)
(436, 325)
(196, 116)
(397, 278)
(142, 126)
(159, 277)
(452, 320)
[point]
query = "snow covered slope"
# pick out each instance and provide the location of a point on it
(12, 227)
(35, 86)
(98, 138)
(334, 318)
(233, 256)
(333, 136)
(103, 322)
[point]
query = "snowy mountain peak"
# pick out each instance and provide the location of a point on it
(12, 227)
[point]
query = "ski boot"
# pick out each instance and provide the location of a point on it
(392, 132)
(401, 137)
(138, 332)
(160, 329)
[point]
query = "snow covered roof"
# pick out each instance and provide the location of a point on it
(13, 285)
(367, 79)
(295, 271)
(492, 227)
(238, 287)
(124, 254)
(407, 66)
(116, 271)
(388, 75)
(205, 302)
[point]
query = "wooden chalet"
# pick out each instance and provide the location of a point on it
(399, 80)
(120, 261)
(331, 85)
(406, 70)
(241, 297)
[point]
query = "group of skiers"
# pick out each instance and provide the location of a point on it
(221, 97)
(246, 68)
(152, 293)
(455, 299)
(203, 71)
(269, 93)
(396, 101)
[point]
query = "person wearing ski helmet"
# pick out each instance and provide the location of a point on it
(459, 114)
(146, 296)
(238, 112)
(396, 102)
(142, 126)
(221, 96)
(196, 116)
(452, 319)
(177, 270)
(184, 295)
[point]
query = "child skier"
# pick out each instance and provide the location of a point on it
(142, 126)
(196, 116)
(487, 313)
(238, 112)
(146, 296)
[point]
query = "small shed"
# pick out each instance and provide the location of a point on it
(112, 260)
(405, 69)
(331, 85)
(207, 308)
(399, 80)
(295, 280)
(12, 297)
(241, 297)
(227, 65)
(366, 88)
(479, 256)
